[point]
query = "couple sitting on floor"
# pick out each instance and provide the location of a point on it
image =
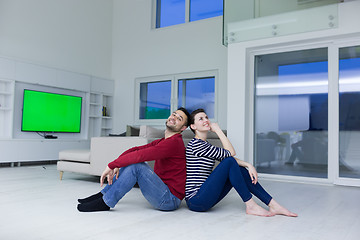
(176, 176)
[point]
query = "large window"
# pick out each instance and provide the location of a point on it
(201, 9)
(158, 96)
(197, 93)
(173, 12)
(169, 12)
(155, 100)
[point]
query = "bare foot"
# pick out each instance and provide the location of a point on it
(253, 208)
(277, 209)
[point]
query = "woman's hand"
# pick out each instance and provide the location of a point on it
(214, 127)
(253, 173)
(109, 173)
(251, 169)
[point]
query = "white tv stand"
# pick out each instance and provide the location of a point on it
(26, 150)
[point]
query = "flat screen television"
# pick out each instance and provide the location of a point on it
(51, 112)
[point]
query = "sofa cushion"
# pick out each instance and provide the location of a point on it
(132, 131)
(78, 155)
(151, 132)
(188, 134)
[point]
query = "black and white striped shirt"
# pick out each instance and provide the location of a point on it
(200, 161)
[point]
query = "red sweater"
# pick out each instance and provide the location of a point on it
(170, 161)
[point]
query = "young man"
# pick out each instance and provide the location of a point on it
(163, 187)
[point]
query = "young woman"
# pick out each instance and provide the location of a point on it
(205, 188)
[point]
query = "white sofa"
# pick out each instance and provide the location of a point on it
(103, 150)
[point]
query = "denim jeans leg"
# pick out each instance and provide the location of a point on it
(156, 192)
(151, 186)
(125, 182)
(107, 187)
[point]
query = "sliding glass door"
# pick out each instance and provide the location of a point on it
(291, 113)
(349, 112)
(304, 102)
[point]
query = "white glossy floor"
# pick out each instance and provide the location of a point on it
(35, 204)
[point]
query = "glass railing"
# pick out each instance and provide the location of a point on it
(257, 19)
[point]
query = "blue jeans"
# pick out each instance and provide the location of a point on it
(151, 186)
(226, 175)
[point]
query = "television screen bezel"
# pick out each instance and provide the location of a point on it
(54, 93)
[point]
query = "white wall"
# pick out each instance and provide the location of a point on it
(111, 39)
(57, 43)
(66, 34)
(140, 51)
(240, 105)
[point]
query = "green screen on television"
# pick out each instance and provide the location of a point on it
(51, 112)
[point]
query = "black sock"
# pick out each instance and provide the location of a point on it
(93, 206)
(91, 198)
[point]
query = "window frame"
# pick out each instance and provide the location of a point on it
(174, 78)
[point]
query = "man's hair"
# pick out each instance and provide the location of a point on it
(192, 117)
(187, 115)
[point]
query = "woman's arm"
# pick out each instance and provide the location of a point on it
(251, 169)
(224, 140)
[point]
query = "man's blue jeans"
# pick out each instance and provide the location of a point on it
(152, 187)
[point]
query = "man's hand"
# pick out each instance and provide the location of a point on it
(109, 173)
(116, 172)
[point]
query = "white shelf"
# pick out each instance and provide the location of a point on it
(100, 125)
(7, 88)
